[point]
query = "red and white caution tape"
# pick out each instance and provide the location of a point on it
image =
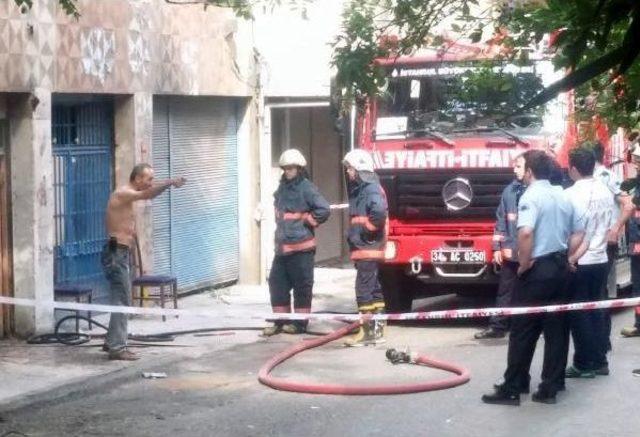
(420, 315)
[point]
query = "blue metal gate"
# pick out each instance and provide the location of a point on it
(82, 136)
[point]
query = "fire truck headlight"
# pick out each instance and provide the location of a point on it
(390, 250)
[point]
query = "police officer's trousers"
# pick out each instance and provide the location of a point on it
(635, 284)
(543, 284)
(504, 298)
(292, 272)
(609, 282)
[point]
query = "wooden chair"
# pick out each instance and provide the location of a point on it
(166, 285)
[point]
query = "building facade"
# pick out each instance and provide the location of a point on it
(81, 102)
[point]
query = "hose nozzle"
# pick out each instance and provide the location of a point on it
(396, 356)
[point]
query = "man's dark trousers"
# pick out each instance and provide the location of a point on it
(504, 298)
(543, 284)
(588, 327)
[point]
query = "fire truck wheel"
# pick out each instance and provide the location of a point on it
(397, 296)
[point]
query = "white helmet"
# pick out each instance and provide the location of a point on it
(292, 157)
(359, 159)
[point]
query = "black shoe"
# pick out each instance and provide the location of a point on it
(602, 371)
(543, 398)
(489, 333)
(499, 397)
(523, 390)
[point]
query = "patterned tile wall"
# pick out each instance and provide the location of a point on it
(120, 46)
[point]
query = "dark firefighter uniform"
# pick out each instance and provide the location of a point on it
(299, 208)
(632, 186)
(367, 238)
(505, 240)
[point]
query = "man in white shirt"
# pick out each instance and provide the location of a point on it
(594, 200)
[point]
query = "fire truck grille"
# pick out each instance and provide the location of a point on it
(447, 193)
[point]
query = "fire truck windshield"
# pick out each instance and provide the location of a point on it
(448, 98)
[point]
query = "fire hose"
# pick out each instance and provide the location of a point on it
(462, 375)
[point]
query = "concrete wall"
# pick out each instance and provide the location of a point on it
(32, 202)
(120, 46)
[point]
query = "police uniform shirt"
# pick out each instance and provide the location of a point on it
(545, 208)
(597, 203)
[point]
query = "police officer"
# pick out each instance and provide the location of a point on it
(505, 250)
(621, 216)
(367, 238)
(632, 187)
(299, 208)
(547, 227)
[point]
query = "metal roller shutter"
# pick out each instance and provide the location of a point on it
(162, 203)
(202, 235)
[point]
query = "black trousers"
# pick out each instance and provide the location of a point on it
(635, 284)
(504, 298)
(543, 284)
(612, 252)
(368, 288)
(588, 327)
(292, 272)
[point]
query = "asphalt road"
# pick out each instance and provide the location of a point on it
(219, 395)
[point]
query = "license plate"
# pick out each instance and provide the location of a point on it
(447, 256)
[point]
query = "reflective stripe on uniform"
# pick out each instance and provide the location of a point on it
(298, 247)
(360, 254)
(364, 220)
(507, 253)
(294, 215)
(300, 216)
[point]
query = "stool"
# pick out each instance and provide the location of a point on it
(78, 292)
(157, 281)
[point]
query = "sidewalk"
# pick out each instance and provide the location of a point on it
(41, 373)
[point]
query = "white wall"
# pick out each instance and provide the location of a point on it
(296, 52)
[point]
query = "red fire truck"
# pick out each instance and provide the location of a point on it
(443, 145)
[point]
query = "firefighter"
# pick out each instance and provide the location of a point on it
(548, 226)
(505, 250)
(632, 187)
(367, 238)
(300, 209)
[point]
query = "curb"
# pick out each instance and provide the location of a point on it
(80, 386)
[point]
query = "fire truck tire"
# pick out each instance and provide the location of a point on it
(398, 297)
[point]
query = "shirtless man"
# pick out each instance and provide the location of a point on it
(115, 256)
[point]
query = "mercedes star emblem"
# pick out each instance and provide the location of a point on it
(457, 194)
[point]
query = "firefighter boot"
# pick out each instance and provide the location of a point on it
(379, 326)
(276, 328)
(366, 332)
